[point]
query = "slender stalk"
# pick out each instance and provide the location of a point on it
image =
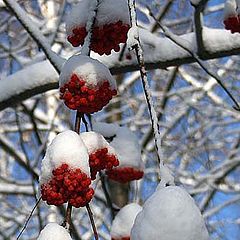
(107, 196)
(67, 221)
(28, 219)
(90, 214)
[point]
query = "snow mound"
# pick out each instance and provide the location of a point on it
(53, 231)
(106, 129)
(94, 141)
(90, 70)
(127, 148)
(169, 214)
(67, 147)
(109, 11)
(230, 9)
(123, 222)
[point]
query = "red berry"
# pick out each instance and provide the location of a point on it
(78, 96)
(67, 185)
(124, 174)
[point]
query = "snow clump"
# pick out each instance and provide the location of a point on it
(169, 214)
(53, 231)
(123, 222)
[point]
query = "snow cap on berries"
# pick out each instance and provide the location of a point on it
(169, 214)
(101, 154)
(95, 141)
(127, 148)
(109, 11)
(90, 70)
(108, 130)
(230, 9)
(123, 222)
(66, 148)
(53, 231)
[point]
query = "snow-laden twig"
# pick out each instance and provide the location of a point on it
(89, 27)
(134, 43)
(180, 43)
(34, 32)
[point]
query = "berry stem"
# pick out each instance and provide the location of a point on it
(67, 221)
(90, 214)
(79, 116)
(109, 201)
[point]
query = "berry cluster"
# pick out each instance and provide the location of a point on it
(124, 174)
(104, 38)
(100, 160)
(78, 36)
(78, 96)
(232, 23)
(123, 238)
(67, 185)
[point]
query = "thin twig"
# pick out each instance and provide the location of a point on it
(34, 32)
(219, 81)
(85, 123)
(107, 196)
(90, 214)
(67, 221)
(153, 116)
(28, 219)
(78, 122)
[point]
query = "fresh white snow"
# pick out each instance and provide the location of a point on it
(95, 141)
(127, 148)
(125, 144)
(109, 11)
(67, 147)
(169, 214)
(53, 231)
(106, 129)
(230, 9)
(90, 70)
(123, 222)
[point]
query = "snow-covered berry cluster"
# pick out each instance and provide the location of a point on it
(67, 185)
(231, 16)
(86, 85)
(65, 175)
(101, 154)
(123, 222)
(110, 29)
(128, 151)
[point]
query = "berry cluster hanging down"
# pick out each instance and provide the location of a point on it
(231, 17)
(128, 151)
(65, 175)
(86, 85)
(110, 28)
(67, 185)
(101, 154)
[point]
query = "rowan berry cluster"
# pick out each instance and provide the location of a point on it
(104, 39)
(77, 95)
(67, 185)
(124, 174)
(100, 160)
(232, 23)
